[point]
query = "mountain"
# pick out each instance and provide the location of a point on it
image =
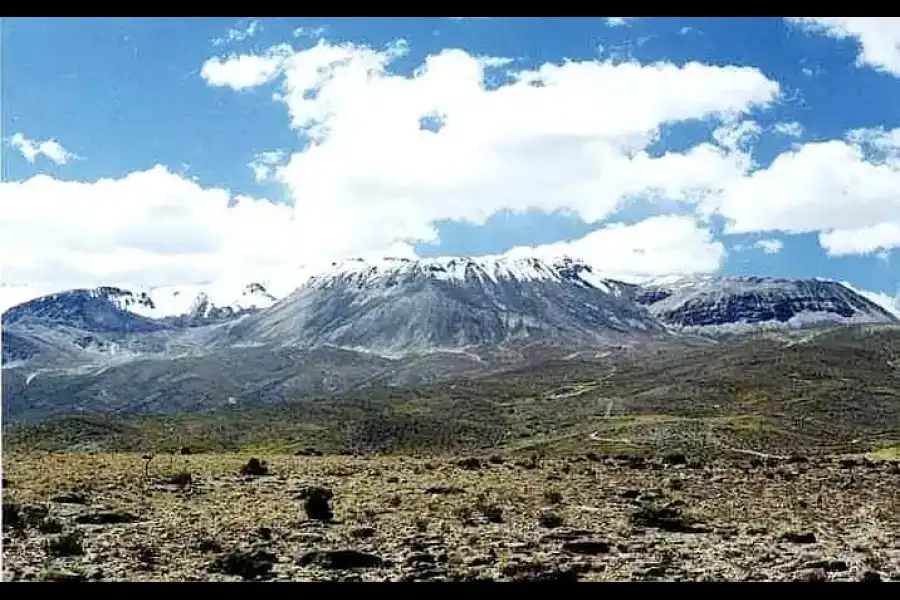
(392, 322)
(399, 306)
(102, 319)
(99, 310)
(832, 390)
(192, 306)
(730, 305)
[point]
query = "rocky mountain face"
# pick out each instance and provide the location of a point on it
(406, 307)
(99, 310)
(101, 320)
(401, 306)
(715, 305)
(393, 321)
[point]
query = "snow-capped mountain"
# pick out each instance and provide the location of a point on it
(738, 304)
(210, 303)
(94, 320)
(387, 321)
(455, 269)
(409, 306)
(101, 310)
(113, 309)
(402, 307)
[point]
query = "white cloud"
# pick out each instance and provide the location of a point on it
(737, 135)
(239, 33)
(878, 37)
(50, 149)
(790, 129)
(882, 142)
(848, 190)
(265, 163)
(245, 71)
(554, 138)
(770, 246)
(373, 181)
(887, 302)
(619, 21)
(148, 228)
(861, 240)
(661, 245)
(11, 295)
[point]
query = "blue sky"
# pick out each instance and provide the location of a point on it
(149, 127)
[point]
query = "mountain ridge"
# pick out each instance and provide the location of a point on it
(395, 321)
(413, 306)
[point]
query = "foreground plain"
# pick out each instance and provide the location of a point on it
(771, 457)
(589, 517)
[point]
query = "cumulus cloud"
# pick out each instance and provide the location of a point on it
(661, 245)
(878, 37)
(49, 149)
(148, 228)
(862, 240)
(373, 179)
(886, 301)
(551, 138)
(847, 190)
(770, 246)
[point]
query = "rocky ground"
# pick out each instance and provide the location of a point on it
(86, 516)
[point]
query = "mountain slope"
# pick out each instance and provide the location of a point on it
(403, 306)
(159, 384)
(393, 322)
(713, 305)
(78, 324)
(99, 310)
(835, 390)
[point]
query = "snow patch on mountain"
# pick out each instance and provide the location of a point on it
(404, 306)
(202, 301)
(493, 269)
(205, 300)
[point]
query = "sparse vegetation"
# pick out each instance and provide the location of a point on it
(886, 453)
(700, 464)
(255, 468)
(317, 503)
(495, 524)
(836, 393)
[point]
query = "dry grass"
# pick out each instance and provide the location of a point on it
(442, 519)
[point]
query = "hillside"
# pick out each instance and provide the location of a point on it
(827, 390)
(393, 322)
